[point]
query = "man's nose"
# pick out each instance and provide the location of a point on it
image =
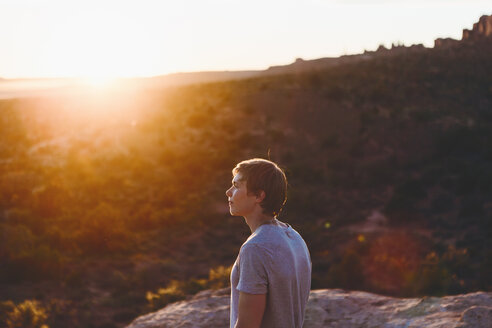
(228, 192)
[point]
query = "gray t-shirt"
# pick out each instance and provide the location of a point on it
(275, 261)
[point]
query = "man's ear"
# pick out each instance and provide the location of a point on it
(260, 196)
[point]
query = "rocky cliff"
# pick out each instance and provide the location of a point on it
(482, 28)
(337, 308)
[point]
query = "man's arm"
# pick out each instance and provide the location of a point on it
(251, 309)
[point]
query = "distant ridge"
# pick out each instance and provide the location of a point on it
(481, 30)
(184, 78)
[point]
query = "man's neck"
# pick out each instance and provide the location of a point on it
(254, 221)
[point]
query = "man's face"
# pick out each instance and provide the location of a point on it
(240, 203)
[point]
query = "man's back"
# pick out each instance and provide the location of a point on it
(274, 261)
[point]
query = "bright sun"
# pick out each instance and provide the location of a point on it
(99, 81)
(100, 50)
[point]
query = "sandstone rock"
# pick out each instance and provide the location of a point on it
(445, 42)
(477, 317)
(206, 309)
(337, 308)
(467, 34)
(482, 28)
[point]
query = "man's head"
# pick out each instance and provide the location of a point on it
(264, 175)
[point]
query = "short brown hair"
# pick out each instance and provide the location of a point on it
(261, 174)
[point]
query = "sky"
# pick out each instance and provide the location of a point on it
(118, 38)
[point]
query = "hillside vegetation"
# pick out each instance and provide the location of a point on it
(112, 205)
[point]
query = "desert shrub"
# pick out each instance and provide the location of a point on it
(155, 272)
(75, 279)
(125, 316)
(145, 218)
(37, 264)
(348, 273)
(391, 262)
(6, 307)
(198, 119)
(178, 290)
(457, 260)
(107, 324)
(464, 142)
(15, 240)
(47, 200)
(62, 313)
(439, 273)
(367, 118)
(442, 202)
(16, 188)
(58, 238)
(28, 314)
(433, 278)
(23, 258)
(173, 292)
(127, 298)
(405, 198)
(471, 206)
(118, 281)
(102, 231)
(219, 277)
(13, 130)
(44, 262)
(193, 286)
(20, 216)
(330, 141)
(335, 92)
(423, 115)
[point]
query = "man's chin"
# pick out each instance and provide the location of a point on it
(233, 213)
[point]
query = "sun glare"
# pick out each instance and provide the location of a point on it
(99, 51)
(100, 81)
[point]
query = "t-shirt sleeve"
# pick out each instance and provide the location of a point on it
(253, 277)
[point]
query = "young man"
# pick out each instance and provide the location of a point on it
(271, 278)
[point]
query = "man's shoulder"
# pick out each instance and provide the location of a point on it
(258, 244)
(253, 244)
(265, 236)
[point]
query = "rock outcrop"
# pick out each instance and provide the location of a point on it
(445, 42)
(482, 28)
(337, 308)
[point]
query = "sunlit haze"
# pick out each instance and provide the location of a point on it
(104, 39)
(120, 123)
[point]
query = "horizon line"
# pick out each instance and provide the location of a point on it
(78, 77)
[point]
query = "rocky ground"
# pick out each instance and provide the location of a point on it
(337, 308)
